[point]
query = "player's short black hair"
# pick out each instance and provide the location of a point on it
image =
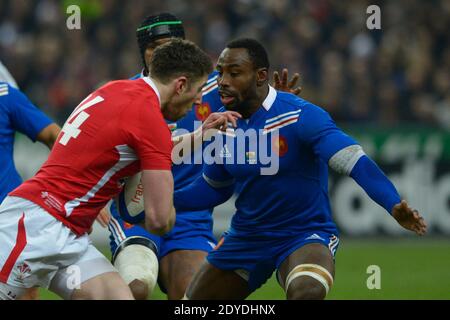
(154, 27)
(255, 50)
(179, 57)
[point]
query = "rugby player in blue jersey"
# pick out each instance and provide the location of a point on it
(18, 114)
(181, 252)
(283, 218)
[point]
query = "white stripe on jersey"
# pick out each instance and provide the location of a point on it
(115, 226)
(278, 118)
(294, 120)
(204, 93)
(209, 85)
(127, 156)
(212, 79)
(4, 89)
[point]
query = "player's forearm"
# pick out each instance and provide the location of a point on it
(158, 200)
(375, 183)
(200, 196)
(49, 135)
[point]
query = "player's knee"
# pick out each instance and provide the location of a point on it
(138, 266)
(306, 289)
(308, 282)
(139, 289)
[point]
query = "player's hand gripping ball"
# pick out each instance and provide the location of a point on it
(130, 201)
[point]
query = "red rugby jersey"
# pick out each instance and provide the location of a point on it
(117, 131)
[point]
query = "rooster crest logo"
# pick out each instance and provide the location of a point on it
(280, 145)
(202, 111)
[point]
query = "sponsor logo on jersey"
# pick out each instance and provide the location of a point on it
(202, 111)
(51, 201)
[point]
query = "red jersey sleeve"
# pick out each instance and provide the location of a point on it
(149, 136)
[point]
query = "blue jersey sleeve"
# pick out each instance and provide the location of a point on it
(375, 183)
(25, 117)
(318, 130)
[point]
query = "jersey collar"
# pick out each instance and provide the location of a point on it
(270, 99)
(153, 86)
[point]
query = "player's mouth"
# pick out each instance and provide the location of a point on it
(226, 98)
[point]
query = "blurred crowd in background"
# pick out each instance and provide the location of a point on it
(399, 74)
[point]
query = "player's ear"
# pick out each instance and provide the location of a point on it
(181, 84)
(262, 75)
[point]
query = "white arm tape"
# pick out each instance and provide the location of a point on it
(345, 159)
(218, 184)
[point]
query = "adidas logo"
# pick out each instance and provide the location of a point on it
(225, 153)
(315, 236)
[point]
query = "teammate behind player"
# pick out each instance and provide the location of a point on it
(283, 221)
(18, 113)
(117, 131)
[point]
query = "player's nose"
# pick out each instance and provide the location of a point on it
(223, 81)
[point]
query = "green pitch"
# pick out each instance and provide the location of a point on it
(409, 269)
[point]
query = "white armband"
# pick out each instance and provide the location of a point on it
(345, 159)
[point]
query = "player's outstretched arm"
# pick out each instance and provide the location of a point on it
(344, 155)
(282, 84)
(370, 177)
(158, 201)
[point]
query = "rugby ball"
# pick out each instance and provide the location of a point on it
(130, 201)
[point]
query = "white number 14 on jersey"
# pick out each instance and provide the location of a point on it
(71, 128)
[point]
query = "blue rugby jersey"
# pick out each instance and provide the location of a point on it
(17, 113)
(295, 198)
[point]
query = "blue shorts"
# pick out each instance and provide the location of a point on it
(260, 256)
(192, 231)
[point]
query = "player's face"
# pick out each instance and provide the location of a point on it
(186, 95)
(237, 78)
(152, 46)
